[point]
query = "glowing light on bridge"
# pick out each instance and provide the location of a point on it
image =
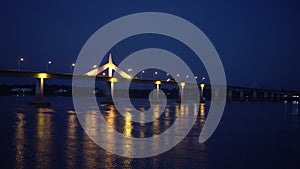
(48, 63)
(110, 66)
(182, 84)
(113, 79)
(42, 75)
(19, 62)
(158, 82)
(72, 66)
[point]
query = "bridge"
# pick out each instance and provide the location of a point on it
(233, 92)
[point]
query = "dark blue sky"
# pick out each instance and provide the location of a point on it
(255, 40)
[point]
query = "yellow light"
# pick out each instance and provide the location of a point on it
(113, 79)
(158, 82)
(202, 85)
(128, 126)
(42, 75)
(182, 84)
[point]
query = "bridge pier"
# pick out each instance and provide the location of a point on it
(39, 93)
(266, 95)
(180, 91)
(272, 96)
(157, 90)
(109, 92)
(229, 96)
(216, 92)
(39, 89)
(254, 95)
(278, 96)
(241, 94)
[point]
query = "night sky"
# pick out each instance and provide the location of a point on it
(256, 40)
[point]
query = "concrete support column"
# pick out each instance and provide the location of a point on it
(39, 89)
(109, 91)
(266, 95)
(230, 91)
(216, 93)
(39, 92)
(254, 94)
(181, 91)
(278, 96)
(157, 90)
(241, 94)
(272, 96)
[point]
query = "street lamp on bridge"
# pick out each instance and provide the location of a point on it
(155, 73)
(19, 62)
(48, 63)
(72, 67)
(186, 77)
(142, 73)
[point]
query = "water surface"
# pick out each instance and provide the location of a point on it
(250, 135)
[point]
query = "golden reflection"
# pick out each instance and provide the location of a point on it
(128, 143)
(71, 142)
(89, 147)
(110, 118)
(142, 123)
(20, 141)
(186, 110)
(177, 110)
(44, 139)
(127, 127)
(156, 114)
(195, 109)
(91, 123)
(167, 119)
(127, 163)
(202, 113)
(142, 133)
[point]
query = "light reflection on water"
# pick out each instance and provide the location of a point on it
(20, 140)
(71, 150)
(81, 146)
(44, 138)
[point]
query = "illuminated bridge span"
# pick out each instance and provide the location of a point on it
(233, 92)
